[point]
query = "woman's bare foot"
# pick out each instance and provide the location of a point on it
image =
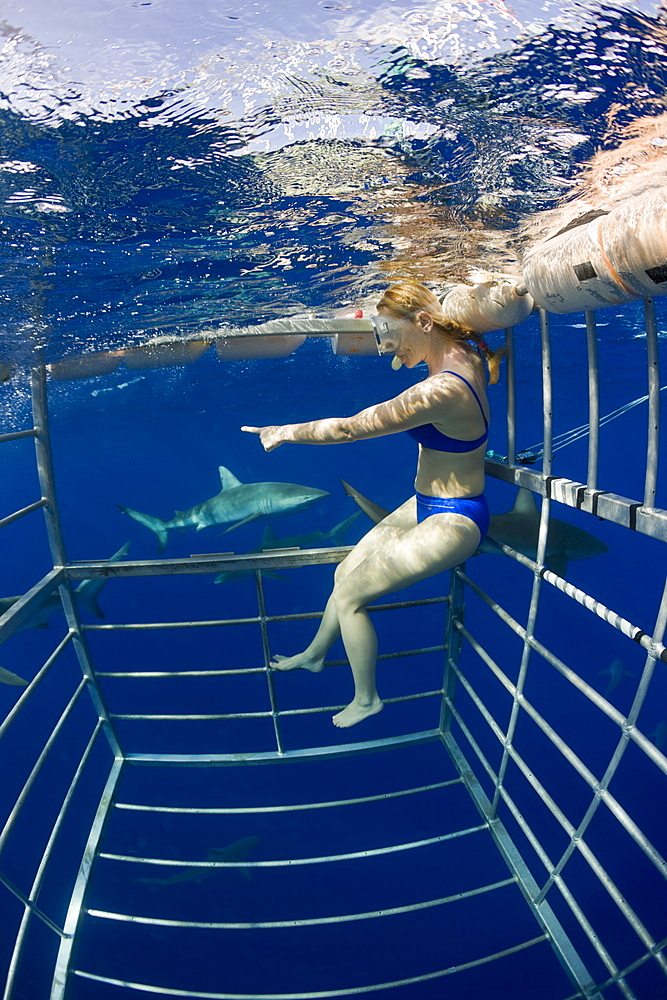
(357, 713)
(302, 661)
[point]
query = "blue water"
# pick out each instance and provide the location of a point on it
(169, 171)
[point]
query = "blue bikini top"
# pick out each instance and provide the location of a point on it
(430, 437)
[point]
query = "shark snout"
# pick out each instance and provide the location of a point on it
(309, 497)
(312, 495)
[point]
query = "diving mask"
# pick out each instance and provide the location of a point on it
(380, 329)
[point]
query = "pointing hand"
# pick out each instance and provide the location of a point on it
(270, 437)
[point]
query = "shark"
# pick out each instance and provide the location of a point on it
(518, 528)
(309, 540)
(87, 593)
(238, 851)
(659, 735)
(7, 677)
(236, 502)
(369, 507)
(616, 671)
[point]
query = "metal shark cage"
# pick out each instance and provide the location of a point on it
(550, 858)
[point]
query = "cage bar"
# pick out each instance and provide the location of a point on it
(459, 708)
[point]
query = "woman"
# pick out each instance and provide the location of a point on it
(447, 414)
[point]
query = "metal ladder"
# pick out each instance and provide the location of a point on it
(475, 777)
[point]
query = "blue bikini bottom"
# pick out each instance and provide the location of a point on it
(475, 508)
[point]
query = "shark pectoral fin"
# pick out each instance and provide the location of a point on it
(90, 603)
(557, 564)
(87, 593)
(247, 874)
(238, 524)
(227, 478)
(7, 677)
(273, 575)
(369, 507)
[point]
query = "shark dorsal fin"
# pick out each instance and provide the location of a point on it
(525, 503)
(268, 535)
(227, 478)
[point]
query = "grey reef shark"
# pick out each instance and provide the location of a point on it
(86, 594)
(518, 528)
(236, 502)
(616, 672)
(238, 851)
(312, 539)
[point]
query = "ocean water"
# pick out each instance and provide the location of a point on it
(173, 170)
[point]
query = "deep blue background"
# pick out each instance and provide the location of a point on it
(139, 243)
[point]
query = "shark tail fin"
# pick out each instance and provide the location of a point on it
(156, 524)
(339, 530)
(122, 552)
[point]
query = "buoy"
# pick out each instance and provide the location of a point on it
(257, 346)
(354, 343)
(156, 355)
(85, 366)
(614, 258)
(495, 304)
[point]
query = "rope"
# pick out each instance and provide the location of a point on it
(530, 455)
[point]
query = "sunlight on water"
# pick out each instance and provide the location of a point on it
(164, 169)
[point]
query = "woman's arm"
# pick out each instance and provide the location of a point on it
(416, 406)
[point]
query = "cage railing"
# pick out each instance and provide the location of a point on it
(642, 516)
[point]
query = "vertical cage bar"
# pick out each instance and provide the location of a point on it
(267, 660)
(541, 550)
(593, 401)
(547, 394)
(453, 643)
(511, 397)
(39, 876)
(45, 464)
(54, 530)
(560, 942)
(651, 481)
(638, 702)
(75, 908)
(39, 763)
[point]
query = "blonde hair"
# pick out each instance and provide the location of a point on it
(406, 298)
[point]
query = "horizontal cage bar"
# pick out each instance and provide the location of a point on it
(245, 810)
(306, 922)
(316, 994)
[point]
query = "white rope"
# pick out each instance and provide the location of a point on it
(569, 437)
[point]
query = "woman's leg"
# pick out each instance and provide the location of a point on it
(438, 543)
(312, 658)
